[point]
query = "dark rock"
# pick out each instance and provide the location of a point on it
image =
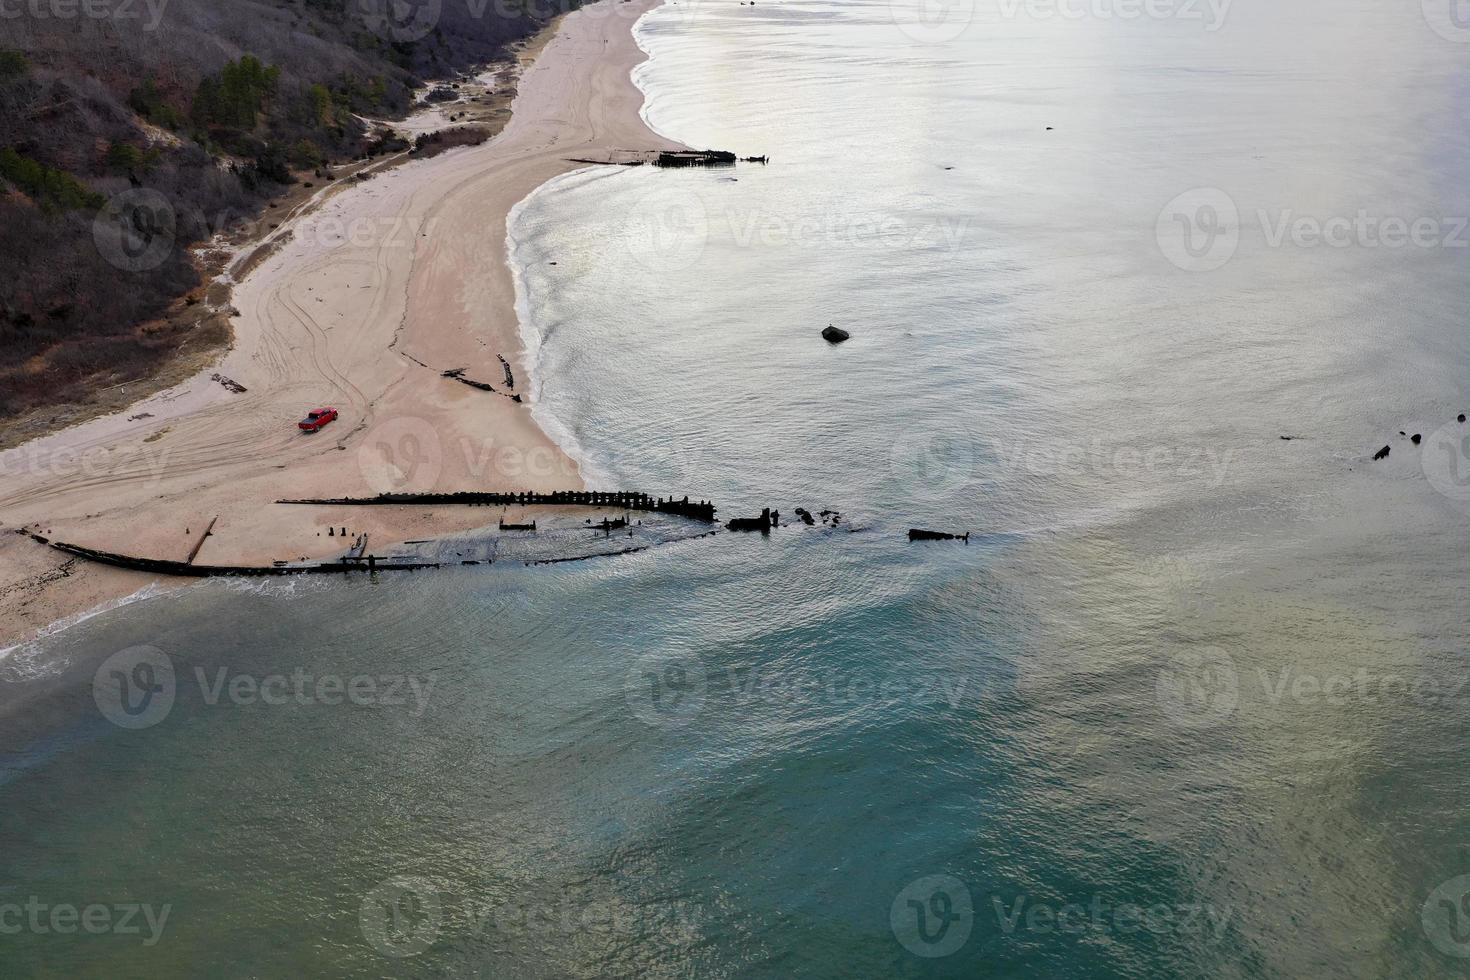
(762, 523)
(1416, 438)
(919, 534)
(1381, 454)
(1461, 418)
(834, 335)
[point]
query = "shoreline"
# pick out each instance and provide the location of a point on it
(230, 255)
(366, 326)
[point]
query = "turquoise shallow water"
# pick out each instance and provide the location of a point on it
(1190, 703)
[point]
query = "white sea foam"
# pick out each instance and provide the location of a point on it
(533, 342)
(24, 661)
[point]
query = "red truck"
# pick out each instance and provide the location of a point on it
(315, 420)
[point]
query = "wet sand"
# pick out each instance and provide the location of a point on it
(361, 304)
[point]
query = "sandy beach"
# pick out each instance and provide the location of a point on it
(361, 304)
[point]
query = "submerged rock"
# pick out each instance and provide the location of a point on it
(919, 534)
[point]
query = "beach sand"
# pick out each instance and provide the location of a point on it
(361, 305)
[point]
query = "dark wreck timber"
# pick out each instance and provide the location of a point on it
(768, 519)
(695, 158)
(671, 158)
(161, 566)
(919, 534)
(698, 510)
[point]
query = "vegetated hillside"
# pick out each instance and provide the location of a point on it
(126, 138)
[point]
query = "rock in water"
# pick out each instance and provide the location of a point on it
(919, 534)
(1381, 454)
(1416, 438)
(834, 335)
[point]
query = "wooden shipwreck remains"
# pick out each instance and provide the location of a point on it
(699, 510)
(160, 566)
(763, 523)
(919, 534)
(694, 158)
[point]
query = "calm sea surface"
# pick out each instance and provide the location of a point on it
(1192, 701)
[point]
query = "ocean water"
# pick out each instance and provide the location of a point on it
(1191, 701)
